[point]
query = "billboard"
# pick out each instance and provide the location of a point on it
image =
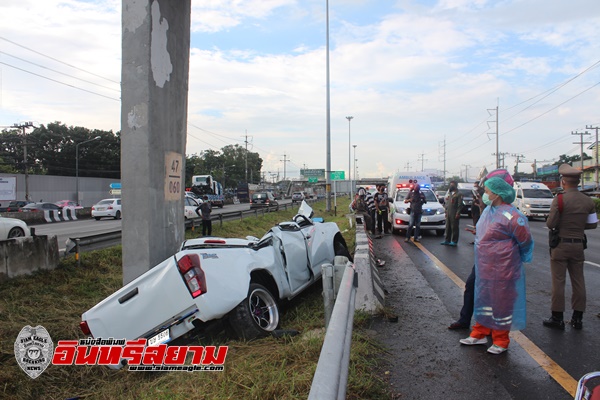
(8, 188)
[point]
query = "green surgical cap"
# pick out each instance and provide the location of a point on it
(501, 188)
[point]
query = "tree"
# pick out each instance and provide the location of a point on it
(51, 150)
(227, 166)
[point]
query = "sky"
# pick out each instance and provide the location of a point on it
(427, 82)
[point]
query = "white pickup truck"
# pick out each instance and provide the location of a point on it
(212, 278)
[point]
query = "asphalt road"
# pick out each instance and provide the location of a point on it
(86, 227)
(576, 352)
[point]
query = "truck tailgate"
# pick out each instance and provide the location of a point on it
(153, 298)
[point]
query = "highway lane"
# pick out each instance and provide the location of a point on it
(577, 352)
(86, 227)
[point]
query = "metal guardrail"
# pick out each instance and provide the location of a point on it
(74, 245)
(331, 377)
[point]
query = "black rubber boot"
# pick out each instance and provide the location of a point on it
(576, 322)
(555, 321)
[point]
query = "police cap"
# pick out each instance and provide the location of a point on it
(569, 172)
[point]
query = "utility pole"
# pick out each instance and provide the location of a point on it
(443, 146)
(285, 160)
(349, 118)
(519, 157)
(581, 143)
(246, 157)
(422, 159)
(500, 159)
(596, 128)
(23, 126)
(408, 165)
(466, 172)
(497, 153)
(328, 116)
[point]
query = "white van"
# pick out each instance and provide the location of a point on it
(533, 199)
(434, 214)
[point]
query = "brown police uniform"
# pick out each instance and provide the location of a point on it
(568, 255)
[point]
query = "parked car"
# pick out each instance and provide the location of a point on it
(263, 200)
(41, 207)
(12, 228)
(68, 204)
(15, 206)
(238, 281)
(297, 197)
(107, 208)
(190, 205)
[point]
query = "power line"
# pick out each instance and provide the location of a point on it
(57, 60)
(62, 83)
(61, 73)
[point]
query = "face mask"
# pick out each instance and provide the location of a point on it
(486, 199)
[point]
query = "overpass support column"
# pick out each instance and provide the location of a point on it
(156, 46)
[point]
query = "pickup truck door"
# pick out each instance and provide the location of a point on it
(292, 245)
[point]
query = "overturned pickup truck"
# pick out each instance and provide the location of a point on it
(212, 278)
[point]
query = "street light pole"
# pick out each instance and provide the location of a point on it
(77, 166)
(354, 172)
(349, 118)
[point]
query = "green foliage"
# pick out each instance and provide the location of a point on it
(51, 150)
(597, 204)
(227, 166)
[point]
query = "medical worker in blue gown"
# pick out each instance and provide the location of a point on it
(503, 243)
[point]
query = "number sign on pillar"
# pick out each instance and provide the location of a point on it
(173, 179)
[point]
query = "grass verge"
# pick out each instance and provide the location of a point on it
(269, 368)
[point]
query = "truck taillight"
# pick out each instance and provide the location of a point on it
(83, 325)
(192, 274)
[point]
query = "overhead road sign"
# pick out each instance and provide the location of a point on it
(337, 175)
(312, 173)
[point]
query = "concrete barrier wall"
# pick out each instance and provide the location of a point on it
(23, 256)
(34, 218)
(370, 295)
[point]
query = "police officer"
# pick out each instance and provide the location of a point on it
(453, 205)
(576, 214)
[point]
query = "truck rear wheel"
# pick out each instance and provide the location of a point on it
(257, 315)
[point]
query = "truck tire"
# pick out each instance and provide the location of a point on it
(257, 315)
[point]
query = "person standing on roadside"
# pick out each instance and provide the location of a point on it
(204, 210)
(571, 212)
(453, 205)
(466, 312)
(416, 198)
(382, 207)
(503, 242)
(477, 203)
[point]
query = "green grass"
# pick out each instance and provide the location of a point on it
(269, 368)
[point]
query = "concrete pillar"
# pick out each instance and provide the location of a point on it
(156, 45)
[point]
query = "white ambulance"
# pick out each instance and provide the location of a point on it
(399, 185)
(533, 199)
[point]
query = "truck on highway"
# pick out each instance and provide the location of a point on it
(206, 185)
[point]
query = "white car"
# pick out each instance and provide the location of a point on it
(211, 278)
(190, 207)
(433, 217)
(12, 228)
(107, 208)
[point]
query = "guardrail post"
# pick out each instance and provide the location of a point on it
(77, 253)
(328, 291)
